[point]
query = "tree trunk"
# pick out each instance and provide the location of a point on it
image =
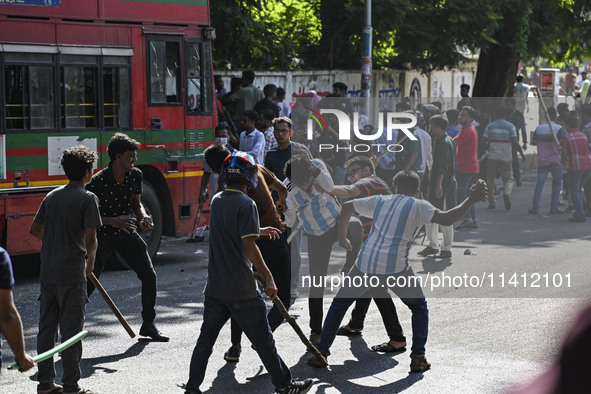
(497, 64)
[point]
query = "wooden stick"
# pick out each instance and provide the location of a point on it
(111, 304)
(196, 225)
(292, 322)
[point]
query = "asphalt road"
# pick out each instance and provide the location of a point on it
(482, 339)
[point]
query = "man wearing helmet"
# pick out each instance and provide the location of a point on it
(231, 290)
(275, 250)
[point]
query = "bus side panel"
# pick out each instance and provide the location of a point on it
(78, 34)
(20, 212)
(173, 11)
(27, 32)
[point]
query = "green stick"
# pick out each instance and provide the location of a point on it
(44, 356)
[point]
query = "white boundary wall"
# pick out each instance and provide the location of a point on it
(389, 86)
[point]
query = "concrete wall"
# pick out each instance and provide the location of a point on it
(388, 86)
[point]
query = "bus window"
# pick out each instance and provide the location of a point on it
(29, 91)
(164, 72)
(199, 100)
(116, 92)
(79, 92)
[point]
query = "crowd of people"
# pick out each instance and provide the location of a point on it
(268, 186)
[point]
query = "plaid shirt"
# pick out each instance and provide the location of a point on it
(270, 141)
(576, 150)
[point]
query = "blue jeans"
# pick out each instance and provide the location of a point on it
(412, 297)
(251, 316)
(556, 170)
(466, 180)
(576, 180)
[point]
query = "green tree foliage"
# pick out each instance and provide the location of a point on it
(263, 34)
(414, 34)
(556, 30)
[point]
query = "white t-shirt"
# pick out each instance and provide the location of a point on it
(396, 221)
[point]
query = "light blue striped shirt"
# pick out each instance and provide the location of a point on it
(254, 145)
(396, 221)
(318, 211)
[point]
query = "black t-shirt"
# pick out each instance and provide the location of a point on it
(267, 104)
(115, 199)
(6, 278)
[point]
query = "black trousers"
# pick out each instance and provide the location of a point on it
(278, 260)
(319, 251)
(135, 252)
(389, 316)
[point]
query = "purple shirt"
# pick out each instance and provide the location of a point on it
(548, 151)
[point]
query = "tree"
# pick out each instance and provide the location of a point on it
(262, 34)
(556, 30)
(413, 34)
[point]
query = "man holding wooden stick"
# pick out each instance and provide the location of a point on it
(231, 291)
(66, 222)
(119, 189)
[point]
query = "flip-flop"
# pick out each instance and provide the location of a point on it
(54, 390)
(349, 332)
(387, 348)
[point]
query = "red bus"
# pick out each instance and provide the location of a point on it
(78, 71)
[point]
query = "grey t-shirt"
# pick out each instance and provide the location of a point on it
(65, 214)
(233, 217)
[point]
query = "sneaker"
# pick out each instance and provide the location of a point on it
(233, 354)
(472, 224)
(296, 387)
(314, 338)
(428, 251)
(315, 362)
(463, 224)
(577, 219)
(419, 363)
(556, 211)
(507, 201)
(444, 254)
(532, 212)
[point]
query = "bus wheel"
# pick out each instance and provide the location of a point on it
(152, 207)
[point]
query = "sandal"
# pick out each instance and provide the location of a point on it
(349, 332)
(53, 390)
(387, 348)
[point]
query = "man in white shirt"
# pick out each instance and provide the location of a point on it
(384, 257)
(252, 141)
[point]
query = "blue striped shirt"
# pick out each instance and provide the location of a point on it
(318, 211)
(396, 221)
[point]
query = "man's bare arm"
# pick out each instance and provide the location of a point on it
(36, 230)
(345, 191)
(476, 193)
(11, 327)
(254, 255)
(91, 245)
